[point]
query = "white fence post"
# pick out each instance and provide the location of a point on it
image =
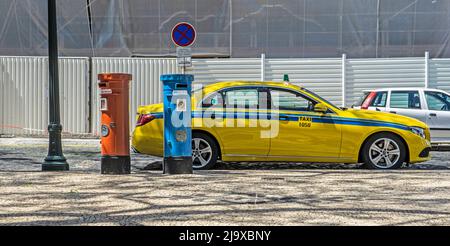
(427, 58)
(263, 67)
(344, 59)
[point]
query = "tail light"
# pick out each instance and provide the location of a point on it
(368, 100)
(144, 119)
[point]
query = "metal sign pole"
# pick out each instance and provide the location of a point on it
(183, 36)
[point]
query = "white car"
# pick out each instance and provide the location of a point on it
(431, 106)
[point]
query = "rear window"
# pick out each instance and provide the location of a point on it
(214, 100)
(242, 98)
(405, 99)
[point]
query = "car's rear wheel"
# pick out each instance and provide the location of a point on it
(384, 151)
(204, 151)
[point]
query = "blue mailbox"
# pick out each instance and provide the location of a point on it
(177, 123)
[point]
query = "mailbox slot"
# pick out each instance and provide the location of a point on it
(103, 85)
(181, 86)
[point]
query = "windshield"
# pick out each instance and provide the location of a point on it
(362, 99)
(321, 98)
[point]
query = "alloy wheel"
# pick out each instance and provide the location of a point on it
(201, 153)
(384, 153)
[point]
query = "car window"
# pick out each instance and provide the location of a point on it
(215, 100)
(379, 100)
(286, 100)
(245, 98)
(405, 99)
(319, 97)
(437, 101)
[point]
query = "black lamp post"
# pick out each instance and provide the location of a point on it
(55, 160)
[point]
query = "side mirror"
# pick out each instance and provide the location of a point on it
(320, 108)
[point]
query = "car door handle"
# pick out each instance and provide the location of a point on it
(393, 112)
(283, 118)
(433, 114)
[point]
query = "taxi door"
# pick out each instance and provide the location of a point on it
(302, 132)
(237, 123)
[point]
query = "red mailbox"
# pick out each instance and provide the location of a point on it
(115, 128)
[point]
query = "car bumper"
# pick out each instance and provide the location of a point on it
(419, 150)
(144, 143)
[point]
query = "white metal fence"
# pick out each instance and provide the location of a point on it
(323, 76)
(24, 83)
(213, 70)
(439, 74)
(363, 74)
(24, 95)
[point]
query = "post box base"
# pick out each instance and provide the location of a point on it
(177, 165)
(116, 165)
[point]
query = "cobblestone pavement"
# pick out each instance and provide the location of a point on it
(231, 194)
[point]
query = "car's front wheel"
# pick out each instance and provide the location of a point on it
(204, 151)
(384, 151)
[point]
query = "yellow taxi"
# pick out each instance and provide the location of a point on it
(281, 122)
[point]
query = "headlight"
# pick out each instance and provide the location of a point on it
(418, 131)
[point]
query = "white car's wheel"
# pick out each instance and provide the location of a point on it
(204, 151)
(384, 151)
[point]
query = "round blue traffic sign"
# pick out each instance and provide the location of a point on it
(183, 34)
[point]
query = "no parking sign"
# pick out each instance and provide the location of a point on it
(184, 35)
